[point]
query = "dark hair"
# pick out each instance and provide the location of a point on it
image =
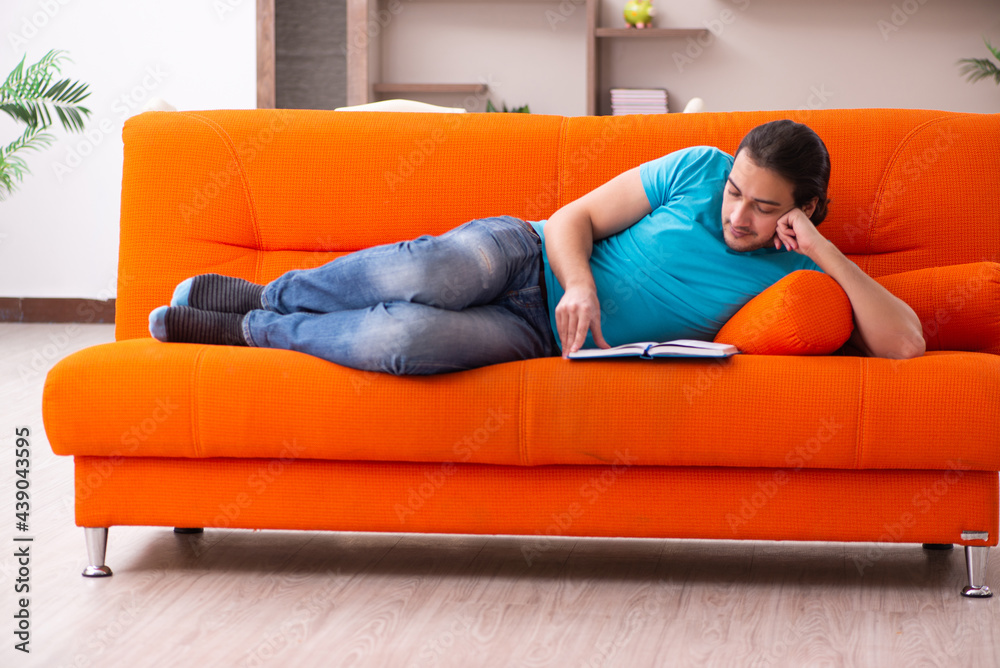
(798, 155)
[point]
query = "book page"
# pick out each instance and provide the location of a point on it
(624, 350)
(693, 348)
(691, 343)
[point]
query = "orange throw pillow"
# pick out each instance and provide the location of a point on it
(958, 305)
(805, 313)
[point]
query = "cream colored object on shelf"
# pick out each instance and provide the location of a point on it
(694, 105)
(158, 104)
(403, 105)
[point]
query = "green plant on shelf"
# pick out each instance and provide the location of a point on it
(975, 69)
(30, 96)
(518, 110)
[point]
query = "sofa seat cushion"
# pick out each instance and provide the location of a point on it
(143, 398)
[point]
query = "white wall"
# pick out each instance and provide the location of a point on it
(59, 231)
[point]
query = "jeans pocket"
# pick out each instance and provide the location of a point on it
(527, 298)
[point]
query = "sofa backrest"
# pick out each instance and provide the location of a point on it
(254, 193)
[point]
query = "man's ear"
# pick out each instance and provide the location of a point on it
(810, 206)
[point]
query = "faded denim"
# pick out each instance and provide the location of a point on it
(464, 299)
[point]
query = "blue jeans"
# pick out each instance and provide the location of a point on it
(464, 299)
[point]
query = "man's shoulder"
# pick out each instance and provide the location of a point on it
(699, 155)
(692, 159)
(705, 152)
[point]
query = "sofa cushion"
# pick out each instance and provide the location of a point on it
(143, 398)
(958, 306)
(805, 313)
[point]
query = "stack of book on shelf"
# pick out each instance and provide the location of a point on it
(638, 101)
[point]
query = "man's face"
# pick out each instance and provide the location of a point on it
(754, 200)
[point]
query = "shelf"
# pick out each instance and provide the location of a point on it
(480, 1)
(363, 64)
(650, 32)
(428, 88)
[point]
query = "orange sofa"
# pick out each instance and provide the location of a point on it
(787, 441)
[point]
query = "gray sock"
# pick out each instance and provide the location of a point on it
(225, 294)
(184, 324)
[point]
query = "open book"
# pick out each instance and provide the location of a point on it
(651, 349)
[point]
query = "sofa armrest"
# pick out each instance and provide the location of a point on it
(958, 305)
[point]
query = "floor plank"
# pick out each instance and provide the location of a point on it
(244, 598)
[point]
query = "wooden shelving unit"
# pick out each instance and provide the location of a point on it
(266, 90)
(362, 88)
(596, 34)
(647, 32)
(397, 88)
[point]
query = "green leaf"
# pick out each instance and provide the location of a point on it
(994, 51)
(29, 96)
(975, 69)
(13, 168)
(504, 109)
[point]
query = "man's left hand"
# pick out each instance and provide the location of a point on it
(797, 233)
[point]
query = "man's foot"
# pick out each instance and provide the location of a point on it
(183, 324)
(215, 292)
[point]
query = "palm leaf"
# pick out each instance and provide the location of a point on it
(976, 69)
(28, 93)
(994, 51)
(26, 82)
(33, 139)
(13, 168)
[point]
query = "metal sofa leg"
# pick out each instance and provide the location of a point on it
(97, 545)
(975, 561)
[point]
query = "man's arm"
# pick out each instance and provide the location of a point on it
(884, 325)
(570, 234)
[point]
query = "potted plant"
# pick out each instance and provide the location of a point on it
(518, 110)
(30, 96)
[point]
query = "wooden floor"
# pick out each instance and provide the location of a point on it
(241, 598)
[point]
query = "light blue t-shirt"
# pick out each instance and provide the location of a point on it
(671, 274)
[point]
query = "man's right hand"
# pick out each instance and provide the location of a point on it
(570, 234)
(578, 312)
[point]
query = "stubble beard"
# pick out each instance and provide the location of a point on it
(745, 244)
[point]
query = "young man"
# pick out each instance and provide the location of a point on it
(669, 249)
